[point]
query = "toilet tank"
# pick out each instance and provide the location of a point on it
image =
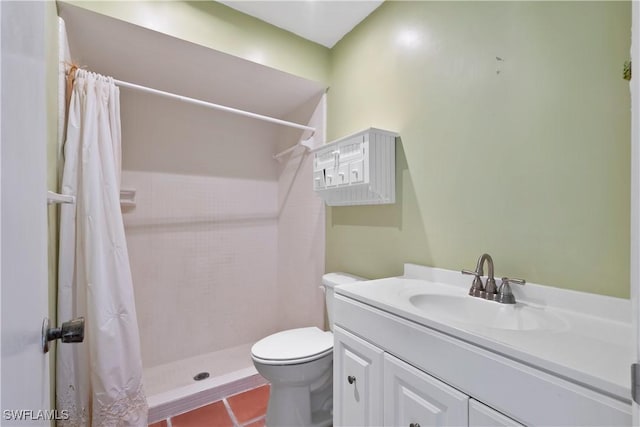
(330, 281)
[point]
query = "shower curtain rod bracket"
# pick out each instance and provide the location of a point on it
(307, 143)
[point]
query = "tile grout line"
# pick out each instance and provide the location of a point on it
(253, 420)
(234, 420)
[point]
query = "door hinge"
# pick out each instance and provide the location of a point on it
(635, 382)
(626, 70)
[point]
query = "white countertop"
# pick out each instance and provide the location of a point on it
(592, 344)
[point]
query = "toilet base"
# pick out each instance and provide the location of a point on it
(301, 395)
(302, 388)
(291, 407)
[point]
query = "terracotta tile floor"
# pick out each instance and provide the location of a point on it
(246, 409)
(249, 405)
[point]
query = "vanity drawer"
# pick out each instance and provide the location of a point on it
(411, 397)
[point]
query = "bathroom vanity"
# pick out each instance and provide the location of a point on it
(417, 350)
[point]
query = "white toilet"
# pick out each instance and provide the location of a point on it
(299, 365)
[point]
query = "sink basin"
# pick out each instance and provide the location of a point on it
(483, 313)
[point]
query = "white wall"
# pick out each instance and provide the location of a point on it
(301, 224)
(203, 260)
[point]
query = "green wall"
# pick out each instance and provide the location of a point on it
(219, 27)
(51, 31)
(527, 158)
(531, 164)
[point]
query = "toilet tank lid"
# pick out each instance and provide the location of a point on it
(335, 279)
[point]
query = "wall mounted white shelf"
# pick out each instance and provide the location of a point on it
(359, 169)
(127, 197)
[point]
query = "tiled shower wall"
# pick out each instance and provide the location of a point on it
(301, 235)
(203, 260)
(300, 261)
(226, 246)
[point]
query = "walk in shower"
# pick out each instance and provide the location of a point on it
(226, 243)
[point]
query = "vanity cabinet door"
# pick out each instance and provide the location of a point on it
(481, 415)
(414, 398)
(357, 381)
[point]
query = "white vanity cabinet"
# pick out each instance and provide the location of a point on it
(407, 374)
(374, 388)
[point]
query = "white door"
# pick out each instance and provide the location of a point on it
(23, 217)
(413, 398)
(357, 381)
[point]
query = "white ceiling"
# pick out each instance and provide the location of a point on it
(321, 21)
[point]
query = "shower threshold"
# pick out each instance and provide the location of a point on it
(172, 390)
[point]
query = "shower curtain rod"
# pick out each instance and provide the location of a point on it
(214, 106)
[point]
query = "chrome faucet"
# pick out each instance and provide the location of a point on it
(490, 290)
(477, 289)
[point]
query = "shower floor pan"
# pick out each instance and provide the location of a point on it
(171, 389)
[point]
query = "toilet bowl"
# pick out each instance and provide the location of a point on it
(299, 365)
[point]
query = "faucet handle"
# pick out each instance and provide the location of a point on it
(517, 281)
(470, 273)
(505, 296)
(477, 288)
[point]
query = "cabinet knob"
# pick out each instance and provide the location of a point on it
(351, 379)
(414, 425)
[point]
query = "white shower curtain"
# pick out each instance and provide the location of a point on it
(100, 380)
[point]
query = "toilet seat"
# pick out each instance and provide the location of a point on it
(293, 346)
